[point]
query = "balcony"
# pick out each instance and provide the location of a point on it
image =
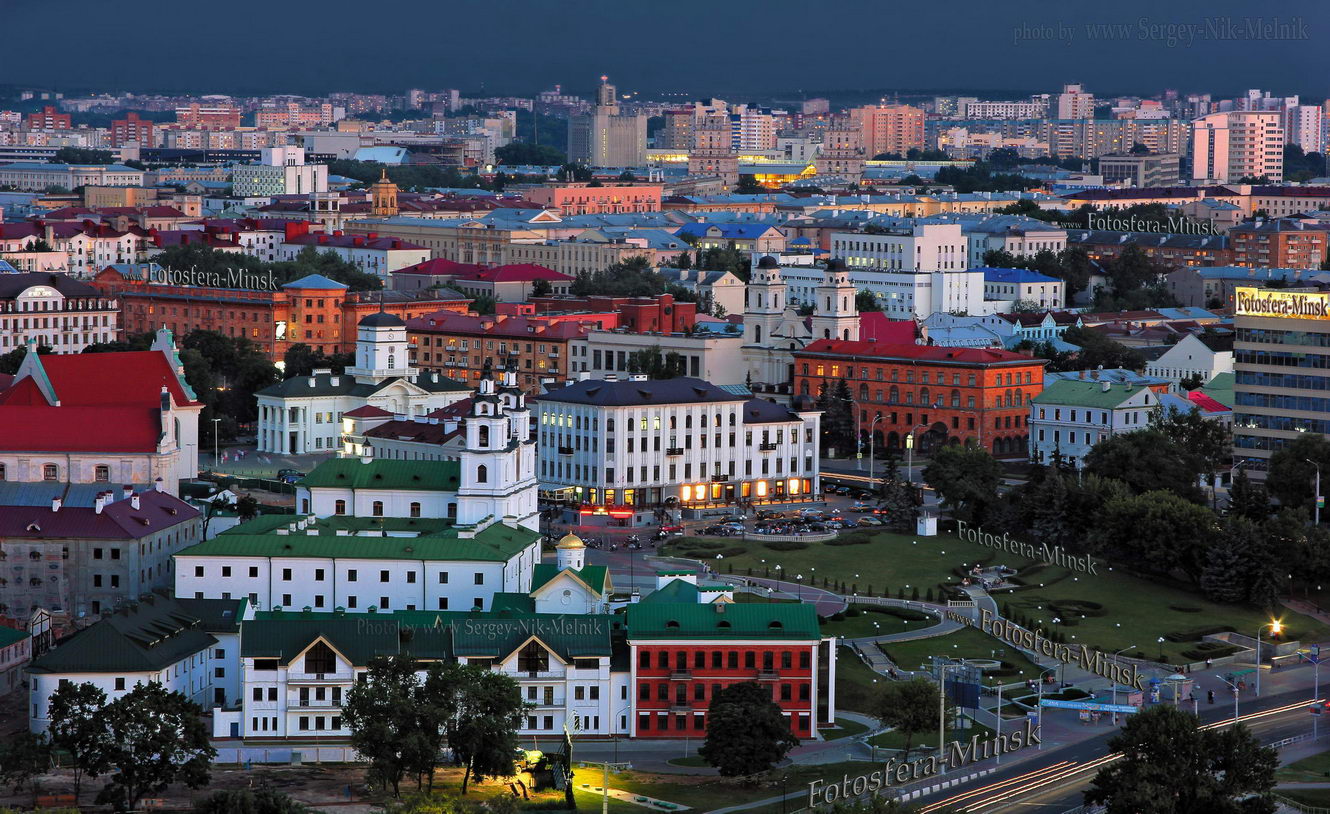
(674, 450)
(768, 447)
(681, 675)
(313, 703)
(319, 678)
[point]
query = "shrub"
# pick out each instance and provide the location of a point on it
(852, 611)
(840, 617)
(1075, 608)
(784, 545)
(1196, 633)
(848, 539)
(1201, 652)
(1184, 609)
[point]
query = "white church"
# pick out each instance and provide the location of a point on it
(774, 329)
(304, 413)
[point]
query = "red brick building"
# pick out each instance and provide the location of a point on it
(131, 128)
(313, 310)
(50, 119)
(662, 313)
(947, 395)
(460, 345)
(580, 198)
(684, 653)
(1278, 244)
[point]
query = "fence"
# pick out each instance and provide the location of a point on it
(286, 755)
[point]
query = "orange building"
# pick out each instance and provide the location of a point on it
(460, 345)
(208, 117)
(889, 128)
(313, 310)
(50, 119)
(131, 128)
(945, 395)
(1278, 244)
(575, 198)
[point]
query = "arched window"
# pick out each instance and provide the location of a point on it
(2, 472)
(846, 335)
(674, 422)
(955, 398)
(688, 422)
(50, 472)
(732, 419)
(757, 334)
(452, 510)
(923, 397)
(609, 425)
(392, 361)
(895, 395)
(970, 380)
(863, 392)
(484, 436)
(482, 474)
(101, 473)
(415, 509)
(339, 507)
(377, 511)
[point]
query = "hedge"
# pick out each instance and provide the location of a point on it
(784, 545)
(1197, 633)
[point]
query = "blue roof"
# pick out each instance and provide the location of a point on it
(384, 154)
(1187, 312)
(998, 275)
(6, 268)
(727, 230)
(314, 281)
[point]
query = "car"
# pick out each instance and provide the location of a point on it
(861, 507)
(671, 530)
(289, 475)
(869, 521)
(713, 530)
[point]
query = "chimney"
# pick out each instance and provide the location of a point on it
(312, 381)
(134, 501)
(55, 504)
(1105, 385)
(159, 485)
(126, 491)
(100, 502)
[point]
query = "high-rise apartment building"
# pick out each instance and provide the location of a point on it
(607, 137)
(889, 128)
(1226, 147)
(1074, 103)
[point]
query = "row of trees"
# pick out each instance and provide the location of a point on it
(403, 724)
(143, 742)
(308, 261)
(1138, 502)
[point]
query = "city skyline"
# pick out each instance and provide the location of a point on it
(1132, 48)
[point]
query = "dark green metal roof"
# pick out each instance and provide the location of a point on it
(144, 636)
(595, 576)
(722, 621)
(215, 615)
(353, 473)
(498, 543)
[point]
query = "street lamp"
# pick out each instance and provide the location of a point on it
(1040, 704)
(942, 711)
(1316, 497)
(871, 442)
(799, 586)
(1234, 687)
(909, 452)
(1115, 683)
(1275, 627)
(216, 458)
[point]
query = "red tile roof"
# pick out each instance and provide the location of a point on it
(1206, 403)
(367, 411)
(25, 428)
(451, 322)
(131, 378)
(874, 325)
(117, 521)
(440, 266)
(420, 432)
(921, 353)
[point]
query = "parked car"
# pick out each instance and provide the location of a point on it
(289, 475)
(869, 521)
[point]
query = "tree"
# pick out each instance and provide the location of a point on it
(247, 507)
(1169, 765)
(1247, 498)
(381, 714)
(1157, 531)
(1224, 577)
(1292, 475)
(263, 800)
(1050, 521)
(967, 479)
(1147, 460)
(82, 155)
(900, 501)
(1194, 381)
(1209, 442)
(837, 417)
(78, 730)
(38, 245)
(746, 731)
(535, 155)
(158, 739)
(748, 185)
(657, 365)
(909, 707)
(541, 288)
(23, 757)
(866, 301)
(1098, 350)
(484, 734)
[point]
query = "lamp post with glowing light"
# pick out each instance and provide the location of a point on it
(1275, 627)
(1316, 498)
(1115, 683)
(909, 452)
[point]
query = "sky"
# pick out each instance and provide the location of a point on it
(695, 48)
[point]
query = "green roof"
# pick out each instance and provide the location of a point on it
(359, 637)
(1220, 388)
(512, 603)
(140, 637)
(353, 473)
(663, 620)
(674, 591)
(215, 615)
(568, 635)
(1076, 393)
(595, 576)
(9, 635)
(498, 543)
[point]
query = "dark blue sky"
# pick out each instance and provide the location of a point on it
(694, 47)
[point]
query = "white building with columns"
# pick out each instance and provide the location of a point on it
(304, 413)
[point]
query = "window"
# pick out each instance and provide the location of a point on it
(101, 473)
(482, 474)
(415, 509)
(480, 578)
(378, 508)
(320, 659)
(383, 576)
(339, 507)
(50, 472)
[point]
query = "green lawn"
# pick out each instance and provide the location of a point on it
(877, 623)
(692, 761)
(896, 740)
(966, 643)
(1136, 611)
(707, 792)
(1315, 798)
(1313, 769)
(855, 683)
(845, 728)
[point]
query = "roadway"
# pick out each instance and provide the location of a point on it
(1053, 781)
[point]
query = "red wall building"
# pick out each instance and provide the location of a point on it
(659, 314)
(953, 395)
(683, 654)
(50, 119)
(131, 128)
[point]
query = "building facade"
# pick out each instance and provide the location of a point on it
(1070, 416)
(55, 311)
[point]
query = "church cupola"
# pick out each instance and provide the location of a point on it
(381, 349)
(835, 315)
